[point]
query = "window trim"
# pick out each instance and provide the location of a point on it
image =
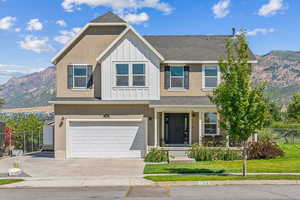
(144, 74)
(130, 74)
(74, 76)
(122, 75)
(170, 79)
(203, 125)
(203, 76)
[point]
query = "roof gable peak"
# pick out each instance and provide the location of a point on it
(108, 17)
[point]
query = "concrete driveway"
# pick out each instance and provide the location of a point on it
(44, 165)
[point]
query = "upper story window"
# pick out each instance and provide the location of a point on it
(177, 77)
(130, 74)
(210, 77)
(80, 76)
(211, 123)
(122, 74)
(138, 74)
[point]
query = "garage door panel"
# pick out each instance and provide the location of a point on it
(106, 139)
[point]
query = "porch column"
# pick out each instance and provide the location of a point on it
(200, 128)
(162, 128)
(155, 129)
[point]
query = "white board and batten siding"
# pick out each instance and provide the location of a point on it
(130, 49)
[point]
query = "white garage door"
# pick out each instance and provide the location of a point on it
(106, 139)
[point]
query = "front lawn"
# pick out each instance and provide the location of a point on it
(8, 181)
(289, 163)
(220, 177)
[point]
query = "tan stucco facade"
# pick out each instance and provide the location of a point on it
(64, 112)
(85, 51)
(195, 82)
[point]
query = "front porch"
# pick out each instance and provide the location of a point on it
(177, 128)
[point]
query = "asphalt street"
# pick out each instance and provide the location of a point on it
(230, 192)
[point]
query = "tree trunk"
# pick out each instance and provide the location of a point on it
(245, 157)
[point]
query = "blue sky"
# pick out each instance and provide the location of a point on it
(32, 31)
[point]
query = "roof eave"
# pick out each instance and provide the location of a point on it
(199, 61)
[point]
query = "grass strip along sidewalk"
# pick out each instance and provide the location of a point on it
(220, 177)
(289, 163)
(9, 181)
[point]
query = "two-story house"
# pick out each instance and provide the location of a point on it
(120, 93)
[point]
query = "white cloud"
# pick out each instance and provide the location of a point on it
(221, 9)
(61, 23)
(35, 44)
(7, 22)
(257, 31)
(34, 25)
(136, 18)
(17, 29)
(271, 8)
(9, 71)
(120, 6)
(65, 35)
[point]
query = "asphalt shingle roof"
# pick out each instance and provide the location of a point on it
(182, 101)
(191, 47)
(108, 18)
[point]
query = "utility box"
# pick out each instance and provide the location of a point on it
(48, 137)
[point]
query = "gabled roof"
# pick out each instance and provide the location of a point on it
(129, 28)
(108, 18)
(191, 47)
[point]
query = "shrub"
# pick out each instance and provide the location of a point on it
(264, 150)
(201, 153)
(156, 155)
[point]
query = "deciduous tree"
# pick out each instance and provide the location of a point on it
(242, 106)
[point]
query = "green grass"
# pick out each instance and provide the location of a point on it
(289, 163)
(219, 177)
(8, 181)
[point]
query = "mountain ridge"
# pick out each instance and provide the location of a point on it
(281, 70)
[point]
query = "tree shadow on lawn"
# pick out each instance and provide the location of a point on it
(191, 171)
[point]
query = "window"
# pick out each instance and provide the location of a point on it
(131, 74)
(122, 75)
(210, 79)
(138, 74)
(80, 77)
(210, 123)
(177, 77)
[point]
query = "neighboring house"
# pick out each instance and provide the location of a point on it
(120, 93)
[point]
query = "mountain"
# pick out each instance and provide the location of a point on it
(280, 69)
(31, 90)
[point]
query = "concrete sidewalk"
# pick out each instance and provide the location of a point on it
(78, 182)
(131, 181)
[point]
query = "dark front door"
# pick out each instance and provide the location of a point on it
(176, 128)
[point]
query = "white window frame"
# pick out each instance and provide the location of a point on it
(204, 76)
(203, 125)
(144, 74)
(130, 74)
(74, 76)
(176, 88)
